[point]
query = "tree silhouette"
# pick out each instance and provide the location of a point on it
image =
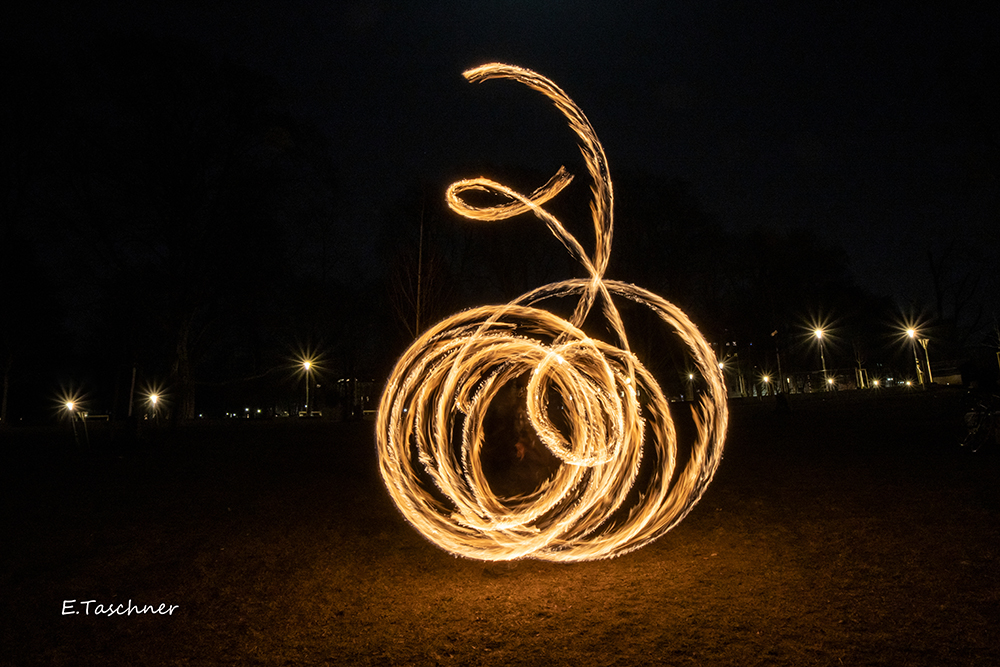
(421, 281)
(956, 280)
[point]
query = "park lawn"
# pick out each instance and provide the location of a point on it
(852, 531)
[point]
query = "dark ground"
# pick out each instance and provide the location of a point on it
(852, 531)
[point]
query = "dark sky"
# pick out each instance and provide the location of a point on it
(871, 123)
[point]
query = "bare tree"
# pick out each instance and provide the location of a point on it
(956, 281)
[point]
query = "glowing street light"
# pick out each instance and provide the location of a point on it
(911, 333)
(927, 359)
(307, 368)
(915, 338)
(822, 357)
(73, 407)
(307, 363)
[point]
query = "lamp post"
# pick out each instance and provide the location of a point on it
(927, 359)
(822, 358)
(154, 400)
(306, 367)
(71, 409)
(912, 334)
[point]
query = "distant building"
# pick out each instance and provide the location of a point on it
(356, 397)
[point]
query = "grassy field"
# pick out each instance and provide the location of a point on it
(850, 531)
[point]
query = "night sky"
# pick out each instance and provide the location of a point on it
(870, 124)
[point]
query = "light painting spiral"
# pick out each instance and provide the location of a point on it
(587, 409)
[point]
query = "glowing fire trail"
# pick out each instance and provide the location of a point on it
(431, 418)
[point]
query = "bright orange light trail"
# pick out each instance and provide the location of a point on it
(431, 431)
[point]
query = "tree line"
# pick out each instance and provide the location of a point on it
(167, 216)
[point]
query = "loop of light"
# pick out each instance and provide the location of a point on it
(430, 424)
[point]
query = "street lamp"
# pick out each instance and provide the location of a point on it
(927, 359)
(72, 406)
(306, 368)
(71, 409)
(722, 371)
(822, 357)
(912, 334)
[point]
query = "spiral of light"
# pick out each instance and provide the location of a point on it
(592, 404)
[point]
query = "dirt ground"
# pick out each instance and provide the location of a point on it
(851, 531)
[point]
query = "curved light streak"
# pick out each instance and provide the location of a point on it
(431, 418)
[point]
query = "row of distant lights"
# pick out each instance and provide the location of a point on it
(766, 379)
(72, 406)
(819, 333)
(245, 413)
(154, 398)
(911, 333)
